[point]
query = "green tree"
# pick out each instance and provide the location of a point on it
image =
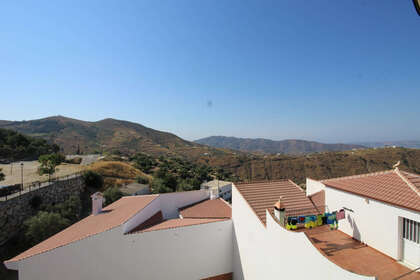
(142, 180)
(2, 176)
(49, 163)
(69, 209)
(43, 225)
(158, 186)
(93, 179)
(112, 194)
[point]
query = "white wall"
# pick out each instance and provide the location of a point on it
(192, 252)
(274, 253)
(168, 203)
(372, 222)
(313, 186)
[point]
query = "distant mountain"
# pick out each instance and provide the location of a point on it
(413, 144)
(267, 146)
(107, 135)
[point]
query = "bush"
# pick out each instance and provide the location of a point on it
(158, 186)
(112, 194)
(44, 225)
(142, 180)
(93, 179)
(76, 160)
(35, 202)
(69, 209)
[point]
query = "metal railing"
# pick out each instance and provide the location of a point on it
(36, 185)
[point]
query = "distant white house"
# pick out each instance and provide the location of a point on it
(223, 188)
(382, 210)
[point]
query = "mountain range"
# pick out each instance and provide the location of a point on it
(110, 135)
(107, 135)
(266, 146)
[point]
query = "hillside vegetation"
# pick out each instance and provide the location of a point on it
(292, 146)
(117, 173)
(319, 166)
(15, 146)
(108, 135)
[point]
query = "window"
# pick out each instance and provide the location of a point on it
(411, 230)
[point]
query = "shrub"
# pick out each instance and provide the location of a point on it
(112, 194)
(44, 225)
(93, 179)
(35, 202)
(142, 180)
(158, 186)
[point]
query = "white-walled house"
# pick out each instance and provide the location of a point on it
(223, 188)
(382, 210)
(136, 237)
(195, 235)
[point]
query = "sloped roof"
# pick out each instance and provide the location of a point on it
(393, 186)
(176, 223)
(215, 208)
(263, 195)
(111, 216)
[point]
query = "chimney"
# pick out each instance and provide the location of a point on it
(214, 193)
(279, 210)
(97, 202)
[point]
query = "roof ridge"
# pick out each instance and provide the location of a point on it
(414, 188)
(261, 181)
(358, 176)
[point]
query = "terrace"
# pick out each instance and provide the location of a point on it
(356, 257)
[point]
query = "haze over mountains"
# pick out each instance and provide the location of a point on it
(290, 146)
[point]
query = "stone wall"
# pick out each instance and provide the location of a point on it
(16, 210)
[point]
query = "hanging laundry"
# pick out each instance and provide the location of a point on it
(341, 214)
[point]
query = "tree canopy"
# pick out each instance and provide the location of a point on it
(49, 163)
(16, 146)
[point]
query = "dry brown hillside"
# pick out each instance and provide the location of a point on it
(320, 165)
(116, 172)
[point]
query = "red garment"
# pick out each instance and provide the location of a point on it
(341, 215)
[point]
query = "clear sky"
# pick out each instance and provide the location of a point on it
(332, 71)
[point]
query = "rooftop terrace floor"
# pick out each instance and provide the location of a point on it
(355, 256)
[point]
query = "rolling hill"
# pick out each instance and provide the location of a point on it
(294, 147)
(108, 135)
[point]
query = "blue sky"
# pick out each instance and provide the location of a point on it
(332, 71)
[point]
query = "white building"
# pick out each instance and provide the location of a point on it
(223, 188)
(189, 236)
(136, 237)
(382, 210)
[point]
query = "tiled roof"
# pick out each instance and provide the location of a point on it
(387, 186)
(176, 223)
(216, 208)
(154, 220)
(112, 216)
(413, 178)
(318, 199)
(263, 195)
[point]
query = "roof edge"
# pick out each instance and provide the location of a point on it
(374, 198)
(414, 188)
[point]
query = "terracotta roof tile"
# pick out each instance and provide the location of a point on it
(176, 223)
(216, 208)
(112, 216)
(263, 195)
(386, 186)
(154, 220)
(318, 199)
